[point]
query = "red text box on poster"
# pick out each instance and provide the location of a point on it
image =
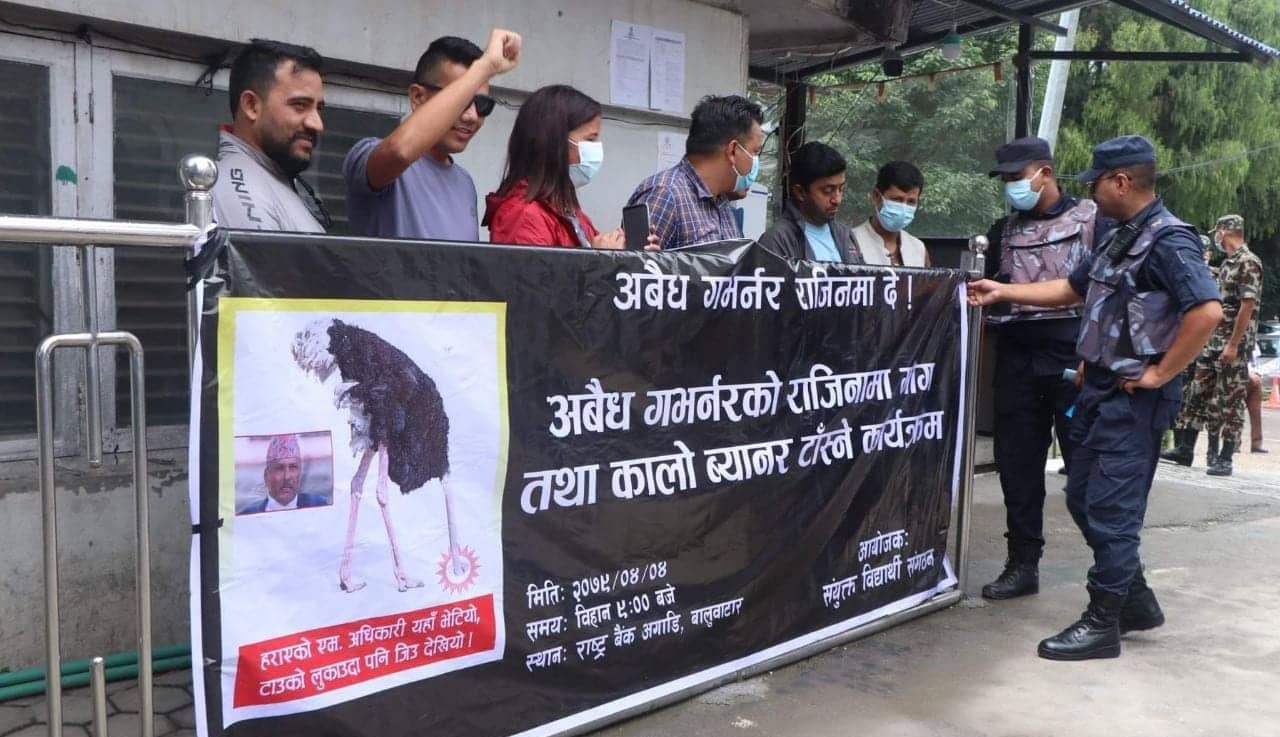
(317, 661)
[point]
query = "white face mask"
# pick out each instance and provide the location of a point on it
(590, 159)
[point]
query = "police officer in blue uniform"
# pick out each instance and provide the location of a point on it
(1046, 235)
(1150, 305)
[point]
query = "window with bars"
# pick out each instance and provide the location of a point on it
(342, 128)
(156, 124)
(25, 189)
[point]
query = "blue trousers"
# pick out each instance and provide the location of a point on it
(1117, 439)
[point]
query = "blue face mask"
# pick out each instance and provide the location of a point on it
(744, 181)
(590, 159)
(1019, 194)
(895, 215)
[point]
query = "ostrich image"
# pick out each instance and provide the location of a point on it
(396, 414)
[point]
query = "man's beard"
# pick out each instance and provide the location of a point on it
(280, 152)
(816, 216)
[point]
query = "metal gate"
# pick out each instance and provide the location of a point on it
(197, 174)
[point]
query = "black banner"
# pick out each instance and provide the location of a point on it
(480, 490)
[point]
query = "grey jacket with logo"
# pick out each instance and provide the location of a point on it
(252, 193)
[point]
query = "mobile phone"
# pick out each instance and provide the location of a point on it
(635, 226)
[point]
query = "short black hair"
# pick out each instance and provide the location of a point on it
(905, 175)
(715, 120)
(1143, 176)
(446, 48)
(255, 67)
(814, 161)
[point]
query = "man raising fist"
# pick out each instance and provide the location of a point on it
(407, 185)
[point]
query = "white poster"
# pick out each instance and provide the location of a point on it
(666, 69)
(630, 48)
(361, 492)
(670, 149)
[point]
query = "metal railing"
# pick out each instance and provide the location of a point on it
(197, 174)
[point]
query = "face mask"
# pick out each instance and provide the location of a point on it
(1217, 244)
(1019, 194)
(590, 159)
(744, 181)
(895, 215)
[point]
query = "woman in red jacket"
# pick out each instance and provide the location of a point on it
(554, 148)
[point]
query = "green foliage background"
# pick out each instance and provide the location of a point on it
(1216, 127)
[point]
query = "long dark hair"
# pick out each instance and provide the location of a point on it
(538, 150)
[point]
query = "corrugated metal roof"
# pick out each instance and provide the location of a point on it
(792, 40)
(1180, 13)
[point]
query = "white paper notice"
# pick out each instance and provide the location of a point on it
(629, 51)
(670, 150)
(666, 71)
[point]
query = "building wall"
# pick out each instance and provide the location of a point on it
(565, 42)
(96, 544)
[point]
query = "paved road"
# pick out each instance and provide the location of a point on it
(1212, 547)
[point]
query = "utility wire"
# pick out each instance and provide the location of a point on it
(1201, 164)
(1215, 162)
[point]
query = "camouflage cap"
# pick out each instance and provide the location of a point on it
(1230, 222)
(1205, 243)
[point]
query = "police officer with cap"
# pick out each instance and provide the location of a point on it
(1149, 307)
(1046, 235)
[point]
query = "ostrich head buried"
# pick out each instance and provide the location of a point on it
(311, 350)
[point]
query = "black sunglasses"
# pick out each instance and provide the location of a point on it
(1094, 184)
(484, 104)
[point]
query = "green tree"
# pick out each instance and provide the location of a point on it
(948, 128)
(1216, 127)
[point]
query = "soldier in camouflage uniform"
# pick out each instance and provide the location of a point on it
(1215, 399)
(1149, 308)
(1180, 453)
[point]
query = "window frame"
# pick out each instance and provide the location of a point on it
(59, 57)
(107, 64)
(82, 134)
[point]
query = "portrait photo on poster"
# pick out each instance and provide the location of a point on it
(391, 418)
(277, 473)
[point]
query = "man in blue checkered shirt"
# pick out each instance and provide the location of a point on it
(689, 203)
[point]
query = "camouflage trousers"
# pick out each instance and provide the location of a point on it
(1213, 398)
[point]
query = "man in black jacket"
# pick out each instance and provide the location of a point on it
(1046, 234)
(807, 228)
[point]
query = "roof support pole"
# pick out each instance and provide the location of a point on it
(791, 132)
(1022, 82)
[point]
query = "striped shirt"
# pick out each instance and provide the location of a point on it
(682, 211)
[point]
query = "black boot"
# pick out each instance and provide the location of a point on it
(1096, 635)
(1222, 465)
(1141, 611)
(1184, 446)
(1021, 575)
(1211, 457)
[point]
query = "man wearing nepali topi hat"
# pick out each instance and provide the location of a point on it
(283, 479)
